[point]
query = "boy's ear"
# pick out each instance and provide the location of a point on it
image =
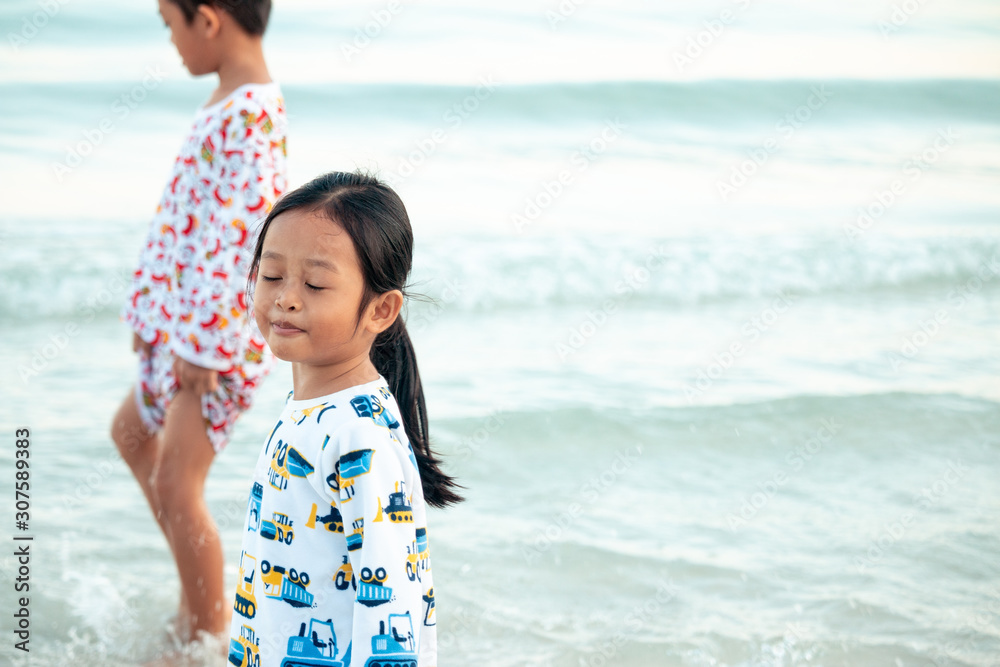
(209, 17)
(383, 311)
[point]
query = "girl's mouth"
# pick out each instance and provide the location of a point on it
(283, 328)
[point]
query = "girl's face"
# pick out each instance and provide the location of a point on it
(308, 291)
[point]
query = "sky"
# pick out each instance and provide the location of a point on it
(532, 41)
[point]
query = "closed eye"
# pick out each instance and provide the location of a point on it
(269, 279)
(314, 287)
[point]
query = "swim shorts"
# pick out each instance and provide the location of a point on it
(157, 386)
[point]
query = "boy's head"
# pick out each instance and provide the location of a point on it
(250, 15)
(207, 33)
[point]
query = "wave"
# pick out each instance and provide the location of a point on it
(483, 274)
(950, 419)
(516, 273)
(709, 102)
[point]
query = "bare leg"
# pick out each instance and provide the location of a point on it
(138, 447)
(178, 485)
(141, 452)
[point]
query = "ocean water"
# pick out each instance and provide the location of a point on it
(711, 336)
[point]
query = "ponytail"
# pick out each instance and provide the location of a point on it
(394, 358)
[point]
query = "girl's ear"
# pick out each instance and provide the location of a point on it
(383, 311)
(210, 20)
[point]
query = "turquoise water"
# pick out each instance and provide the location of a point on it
(712, 346)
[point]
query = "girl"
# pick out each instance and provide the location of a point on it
(335, 562)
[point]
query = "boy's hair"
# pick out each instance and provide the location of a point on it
(251, 15)
(374, 217)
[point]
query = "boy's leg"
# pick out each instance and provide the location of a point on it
(141, 452)
(139, 448)
(178, 484)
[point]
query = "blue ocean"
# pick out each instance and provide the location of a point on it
(710, 330)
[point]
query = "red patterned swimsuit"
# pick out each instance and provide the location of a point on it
(188, 295)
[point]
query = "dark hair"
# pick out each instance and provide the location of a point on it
(374, 217)
(252, 15)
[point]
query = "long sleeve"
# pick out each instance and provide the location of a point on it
(376, 503)
(336, 561)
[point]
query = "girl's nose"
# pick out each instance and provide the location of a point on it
(287, 299)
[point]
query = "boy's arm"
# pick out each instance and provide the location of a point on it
(243, 167)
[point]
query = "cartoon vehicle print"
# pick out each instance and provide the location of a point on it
(278, 528)
(285, 463)
(289, 585)
(412, 565)
(350, 466)
(428, 597)
(372, 590)
(297, 464)
(417, 556)
(317, 648)
(246, 603)
(399, 509)
(395, 648)
(244, 652)
(300, 416)
(277, 474)
(253, 509)
(333, 521)
(370, 406)
(345, 576)
(357, 538)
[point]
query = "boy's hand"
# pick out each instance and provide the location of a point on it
(139, 345)
(197, 379)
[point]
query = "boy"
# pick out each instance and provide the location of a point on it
(200, 357)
